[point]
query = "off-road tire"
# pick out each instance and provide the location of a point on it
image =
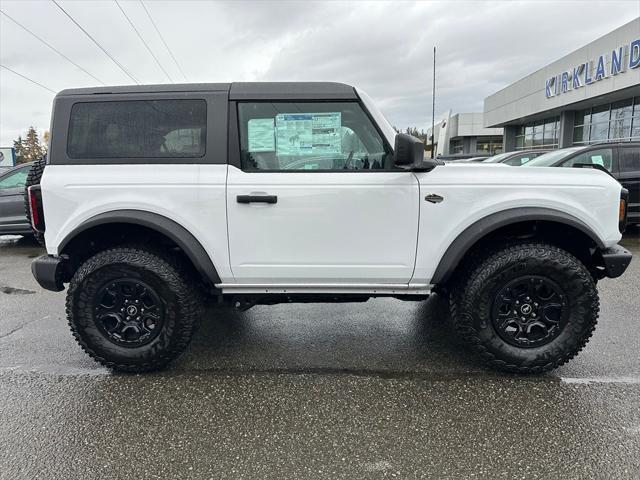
(180, 296)
(483, 277)
(33, 178)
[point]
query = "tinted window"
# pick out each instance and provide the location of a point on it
(309, 136)
(549, 159)
(138, 129)
(602, 157)
(629, 159)
(519, 160)
(14, 179)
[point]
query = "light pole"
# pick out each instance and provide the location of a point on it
(433, 106)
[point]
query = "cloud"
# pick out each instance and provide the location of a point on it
(383, 47)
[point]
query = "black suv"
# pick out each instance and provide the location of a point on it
(620, 159)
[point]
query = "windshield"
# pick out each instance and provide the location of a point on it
(497, 158)
(549, 159)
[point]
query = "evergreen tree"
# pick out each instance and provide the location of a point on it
(17, 146)
(29, 149)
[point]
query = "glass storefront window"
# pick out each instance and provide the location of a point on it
(489, 145)
(455, 146)
(599, 132)
(620, 128)
(621, 109)
(579, 133)
(635, 129)
(537, 135)
(600, 114)
(550, 132)
(608, 122)
(582, 117)
(540, 134)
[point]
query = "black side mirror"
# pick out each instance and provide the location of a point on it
(409, 154)
(409, 151)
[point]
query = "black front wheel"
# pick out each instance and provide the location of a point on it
(133, 310)
(527, 307)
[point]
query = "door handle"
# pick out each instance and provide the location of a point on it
(257, 198)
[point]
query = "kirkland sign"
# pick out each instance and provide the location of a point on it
(579, 76)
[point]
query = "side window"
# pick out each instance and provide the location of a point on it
(602, 157)
(629, 159)
(138, 129)
(519, 160)
(14, 180)
(309, 136)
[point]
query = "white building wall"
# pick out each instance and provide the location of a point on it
(527, 96)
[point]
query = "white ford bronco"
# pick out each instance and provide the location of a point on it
(154, 198)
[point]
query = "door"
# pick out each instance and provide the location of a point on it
(629, 177)
(12, 214)
(316, 200)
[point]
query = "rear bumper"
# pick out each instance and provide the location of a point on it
(615, 260)
(49, 272)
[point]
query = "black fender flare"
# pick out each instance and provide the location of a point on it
(161, 224)
(476, 231)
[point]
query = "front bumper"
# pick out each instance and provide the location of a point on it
(50, 271)
(615, 260)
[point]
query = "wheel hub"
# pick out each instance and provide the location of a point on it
(526, 309)
(128, 312)
(529, 311)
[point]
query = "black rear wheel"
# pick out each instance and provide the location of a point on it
(133, 310)
(527, 307)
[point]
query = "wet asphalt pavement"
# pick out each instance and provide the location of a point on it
(381, 389)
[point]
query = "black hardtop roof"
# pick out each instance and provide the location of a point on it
(237, 91)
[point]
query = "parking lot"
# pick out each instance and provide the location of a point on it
(381, 389)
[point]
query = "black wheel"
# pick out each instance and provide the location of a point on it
(133, 310)
(33, 178)
(525, 308)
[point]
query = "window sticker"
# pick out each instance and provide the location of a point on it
(597, 160)
(261, 135)
(308, 133)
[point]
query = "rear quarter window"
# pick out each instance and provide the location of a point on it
(138, 129)
(629, 159)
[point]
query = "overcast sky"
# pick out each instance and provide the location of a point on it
(384, 48)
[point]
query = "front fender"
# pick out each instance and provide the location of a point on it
(476, 231)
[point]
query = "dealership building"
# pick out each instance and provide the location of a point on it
(464, 133)
(591, 95)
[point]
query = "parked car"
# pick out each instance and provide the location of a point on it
(13, 219)
(461, 157)
(249, 194)
(515, 159)
(620, 159)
